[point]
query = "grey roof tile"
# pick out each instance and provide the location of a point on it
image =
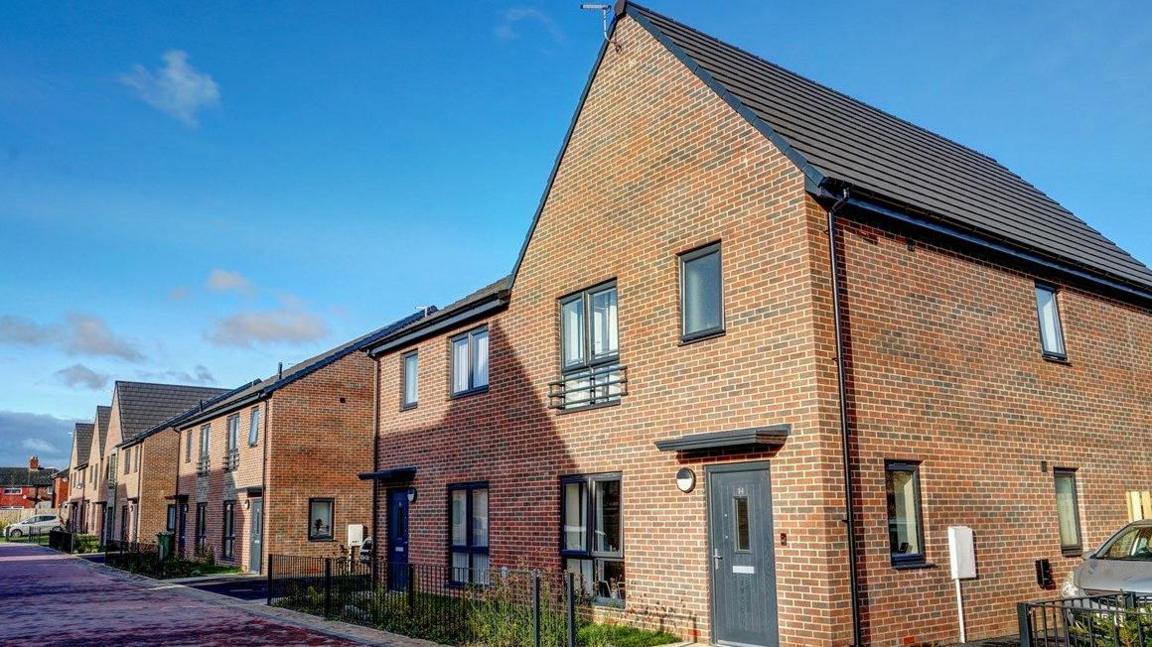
(894, 160)
(20, 476)
(82, 437)
(144, 405)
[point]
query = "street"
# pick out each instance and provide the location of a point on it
(55, 599)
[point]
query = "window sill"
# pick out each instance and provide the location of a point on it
(1056, 359)
(1072, 551)
(409, 407)
(590, 407)
(607, 602)
(701, 336)
(464, 394)
(912, 566)
(322, 539)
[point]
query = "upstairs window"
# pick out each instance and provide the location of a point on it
(468, 511)
(233, 431)
(1051, 332)
(136, 463)
(254, 426)
(1068, 512)
(592, 538)
(188, 446)
(905, 526)
(589, 349)
(411, 380)
(128, 460)
(470, 362)
(205, 438)
(701, 293)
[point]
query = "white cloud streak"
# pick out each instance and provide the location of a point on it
(176, 89)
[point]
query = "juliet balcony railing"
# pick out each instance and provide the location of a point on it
(588, 387)
(202, 465)
(231, 459)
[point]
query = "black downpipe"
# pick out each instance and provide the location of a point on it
(845, 434)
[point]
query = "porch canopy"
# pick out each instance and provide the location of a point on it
(750, 439)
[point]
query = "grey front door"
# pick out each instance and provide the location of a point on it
(256, 536)
(743, 562)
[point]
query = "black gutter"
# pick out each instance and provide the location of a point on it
(845, 432)
(429, 327)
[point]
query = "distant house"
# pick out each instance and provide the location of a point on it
(26, 487)
(271, 467)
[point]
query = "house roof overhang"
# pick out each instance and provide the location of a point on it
(750, 439)
(395, 475)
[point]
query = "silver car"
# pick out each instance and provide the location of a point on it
(1122, 565)
(39, 524)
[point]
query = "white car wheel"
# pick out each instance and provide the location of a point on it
(16, 533)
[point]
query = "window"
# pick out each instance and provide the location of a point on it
(470, 362)
(592, 525)
(1051, 332)
(320, 519)
(1131, 544)
(411, 380)
(254, 426)
(205, 437)
(233, 432)
(170, 526)
(229, 547)
(590, 347)
(468, 515)
(127, 460)
(12, 490)
(905, 529)
(136, 463)
(701, 293)
(1067, 509)
(201, 523)
(188, 446)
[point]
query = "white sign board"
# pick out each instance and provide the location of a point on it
(355, 534)
(962, 552)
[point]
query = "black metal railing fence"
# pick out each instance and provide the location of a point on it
(1120, 620)
(513, 608)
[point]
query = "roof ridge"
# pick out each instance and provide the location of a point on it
(820, 85)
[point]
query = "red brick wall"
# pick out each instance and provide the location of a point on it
(16, 500)
(157, 481)
(946, 369)
(657, 165)
(320, 439)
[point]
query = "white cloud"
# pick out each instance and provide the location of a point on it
(177, 88)
(80, 375)
(79, 334)
(225, 281)
(38, 445)
(290, 323)
(199, 375)
(88, 335)
(178, 294)
(507, 29)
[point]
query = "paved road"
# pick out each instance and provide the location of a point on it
(53, 599)
(239, 587)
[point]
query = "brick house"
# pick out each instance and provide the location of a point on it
(60, 488)
(76, 501)
(666, 395)
(26, 487)
(96, 512)
(271, 467)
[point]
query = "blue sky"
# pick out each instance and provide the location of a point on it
(197, 191)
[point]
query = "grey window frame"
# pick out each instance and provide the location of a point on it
(232, 437)
(906, 559)
(472, 389)
(1077, 549)
(188, 447)
(331, 536)
(1061, 354)
(468, 547)
(205, 440)
(684, 259)
(589, 359)
(254, 426)
(404, 375)
(589, 553)
(228, 531)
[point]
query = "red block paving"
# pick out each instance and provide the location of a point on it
(52, 599)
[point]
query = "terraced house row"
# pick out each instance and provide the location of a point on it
(763, 345)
